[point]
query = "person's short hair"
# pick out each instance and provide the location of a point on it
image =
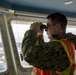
(58, 18)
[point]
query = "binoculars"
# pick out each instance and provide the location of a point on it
(43, 26)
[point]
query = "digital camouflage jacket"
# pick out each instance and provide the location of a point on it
(48, 56)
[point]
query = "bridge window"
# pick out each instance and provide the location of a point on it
(19, 28)
(3, 65)
(71, 29)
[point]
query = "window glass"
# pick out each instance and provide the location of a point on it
(71, 29)
(3, 66)
(19, 29)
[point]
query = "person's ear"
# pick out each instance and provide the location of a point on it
(57, 26)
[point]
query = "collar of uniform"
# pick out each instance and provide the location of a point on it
(58, 37)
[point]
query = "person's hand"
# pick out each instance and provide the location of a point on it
(36, 27)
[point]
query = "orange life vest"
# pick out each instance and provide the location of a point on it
(70, 51)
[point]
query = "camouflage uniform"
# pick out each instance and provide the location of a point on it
(46, 56)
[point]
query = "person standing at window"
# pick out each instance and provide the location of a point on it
(56, 57)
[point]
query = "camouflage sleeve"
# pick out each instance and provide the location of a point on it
(47, 56)
(31, 48)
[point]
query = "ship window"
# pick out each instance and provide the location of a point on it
(71, 29)
(3, 65)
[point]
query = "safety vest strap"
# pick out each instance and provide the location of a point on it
(69, 50)
(72, 69)
(37, 71)
(72, 54)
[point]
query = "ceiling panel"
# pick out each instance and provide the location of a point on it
(57, 5)
(47, 4)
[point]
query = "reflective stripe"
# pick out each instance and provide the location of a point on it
(71, 48)
(72, 54)
(35, 72)
(68, 47)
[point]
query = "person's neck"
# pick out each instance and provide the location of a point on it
(57, 35)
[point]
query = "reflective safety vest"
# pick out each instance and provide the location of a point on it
(70, 52)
